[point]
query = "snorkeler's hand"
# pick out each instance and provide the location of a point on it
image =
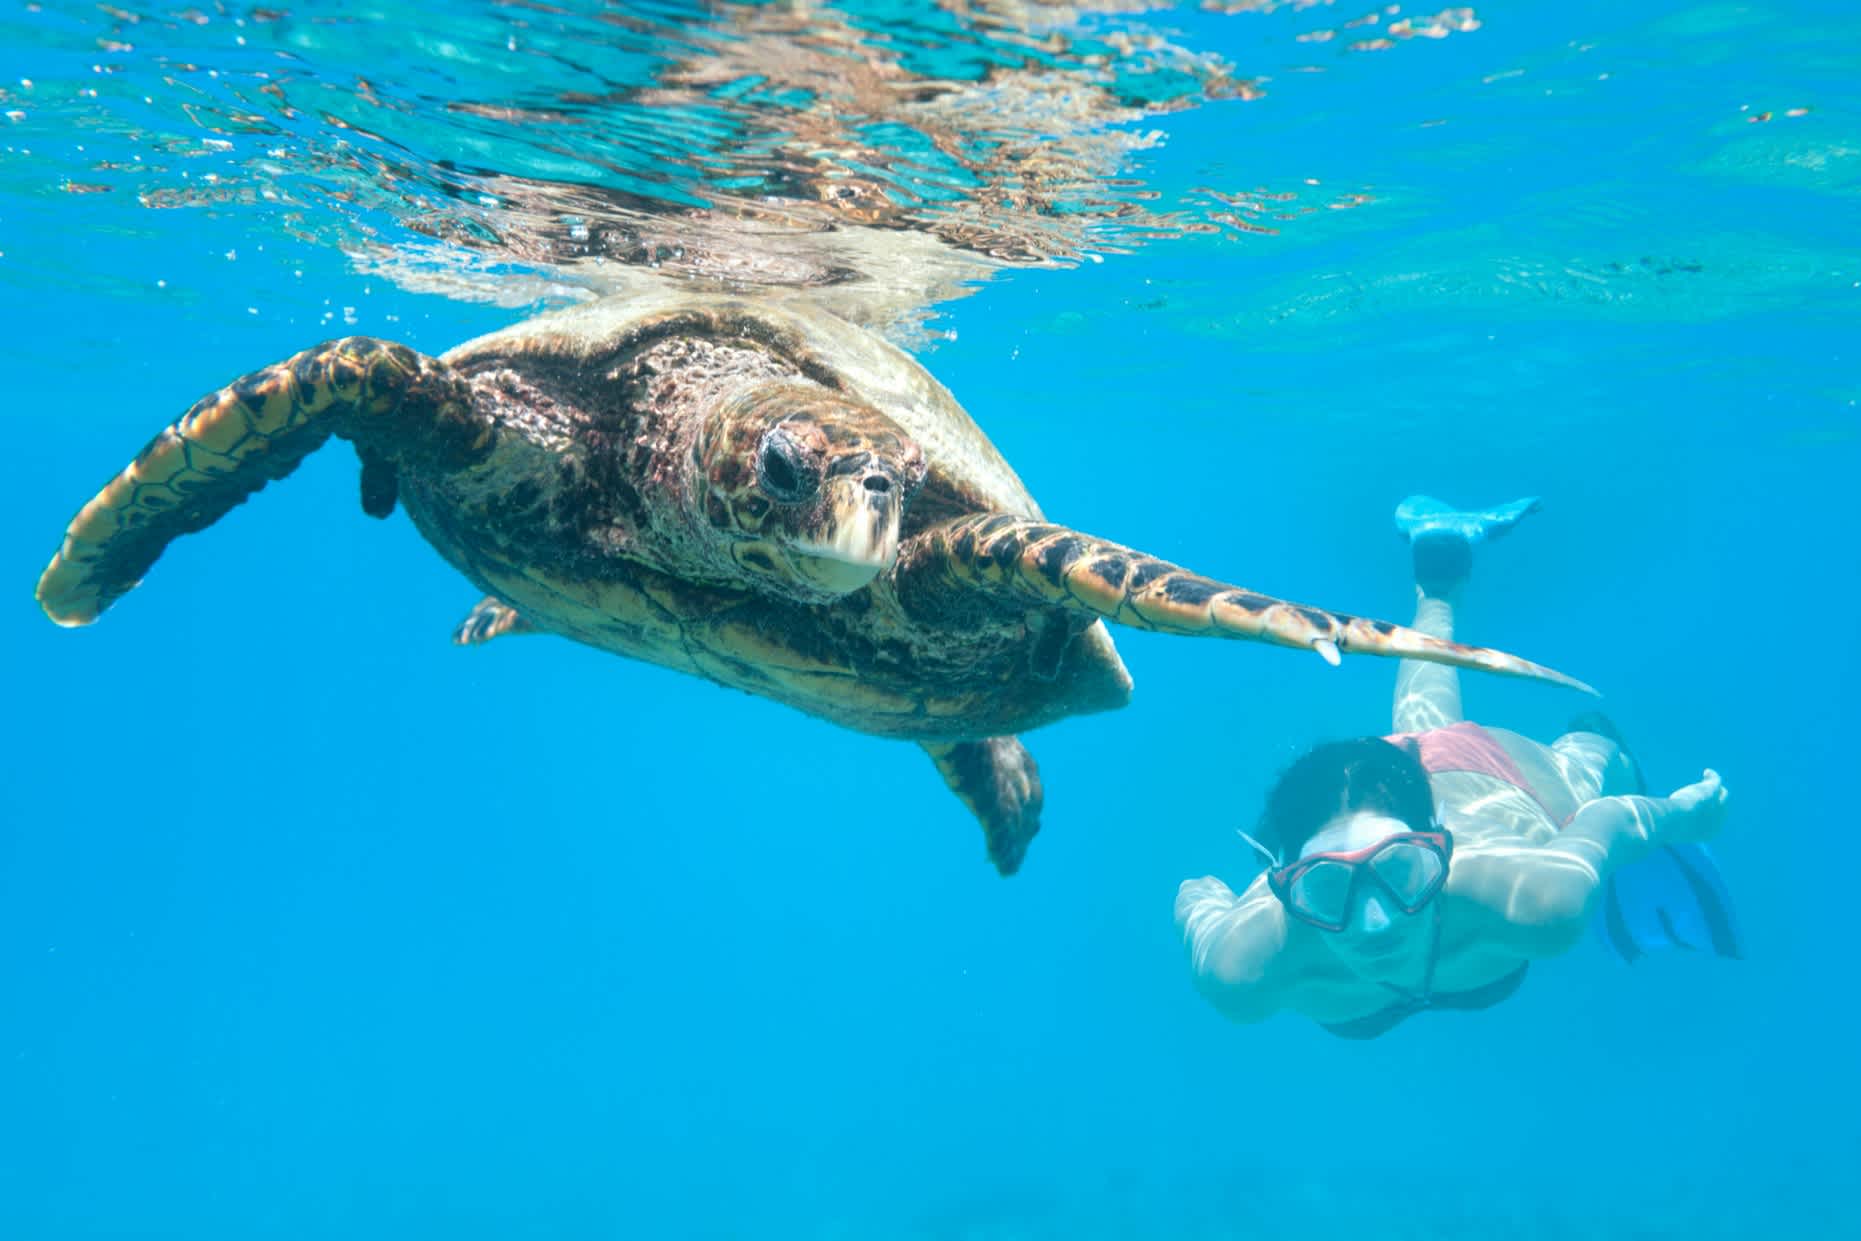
(1699, 809)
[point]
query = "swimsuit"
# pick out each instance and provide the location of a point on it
(1410, 1003)
(1468, 747)
(1457, 747)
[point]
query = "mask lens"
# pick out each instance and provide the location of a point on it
(1323, 891)
(1411, 872)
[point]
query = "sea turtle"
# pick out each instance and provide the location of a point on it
(749, 490)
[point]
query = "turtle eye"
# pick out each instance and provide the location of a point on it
(784, 469)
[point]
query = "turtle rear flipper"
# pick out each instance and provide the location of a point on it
(997, 780)
(1021, 560)
(399, 407)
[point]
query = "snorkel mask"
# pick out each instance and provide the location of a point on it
(1321, 888)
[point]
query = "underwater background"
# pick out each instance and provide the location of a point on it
(314, 925)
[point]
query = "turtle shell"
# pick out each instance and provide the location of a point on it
(966, 471)
(869, 664)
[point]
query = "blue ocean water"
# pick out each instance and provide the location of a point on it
(313, 925)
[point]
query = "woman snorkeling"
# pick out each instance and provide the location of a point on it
(1428, 868)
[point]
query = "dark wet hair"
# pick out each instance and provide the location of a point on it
(1364, 773)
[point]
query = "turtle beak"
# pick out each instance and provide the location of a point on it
(858, 530)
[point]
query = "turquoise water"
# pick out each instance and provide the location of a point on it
(312, 925)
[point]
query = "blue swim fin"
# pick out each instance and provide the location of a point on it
(1442, 538)
(1421, 515)
(1673, 898)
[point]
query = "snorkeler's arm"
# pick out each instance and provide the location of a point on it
(1540, 897)
(1236, 947)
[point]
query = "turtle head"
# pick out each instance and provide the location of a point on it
(805, 489)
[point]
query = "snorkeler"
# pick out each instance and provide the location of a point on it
(1428, 868)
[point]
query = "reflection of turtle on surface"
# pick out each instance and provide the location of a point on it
(761, 495)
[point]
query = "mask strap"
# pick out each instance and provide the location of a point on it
(1266, 855)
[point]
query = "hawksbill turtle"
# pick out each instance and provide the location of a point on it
(753, 492)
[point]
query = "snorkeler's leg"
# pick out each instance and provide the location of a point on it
(1612, 832)
(1546, 896)
(1428, 695)
(1594, 761)
(1441, 543)
(1673, 898)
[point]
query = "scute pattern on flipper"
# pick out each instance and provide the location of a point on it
(252, 432)
(1059, 566)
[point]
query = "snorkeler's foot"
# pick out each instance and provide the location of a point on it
(1699, 810)
(1441, 539)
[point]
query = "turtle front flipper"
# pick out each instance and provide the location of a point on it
(997, 780)
(399, 407)
(1028, 562)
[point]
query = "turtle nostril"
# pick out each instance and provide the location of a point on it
(878, 482)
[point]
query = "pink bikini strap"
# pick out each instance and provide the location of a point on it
(1465, 746)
